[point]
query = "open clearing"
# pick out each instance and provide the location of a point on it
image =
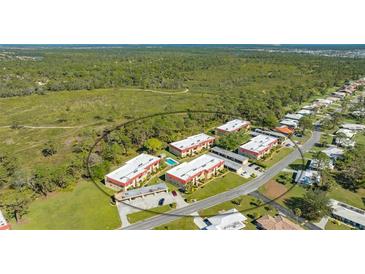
(85, 207)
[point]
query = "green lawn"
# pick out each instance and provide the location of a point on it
(226, 182)
(144, 214)
(85, 207)
(246, 202)
(352, 198)
(333, 224)
(276, 156)
(184, 223)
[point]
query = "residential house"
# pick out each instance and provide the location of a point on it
(229, 220)
(278, 222)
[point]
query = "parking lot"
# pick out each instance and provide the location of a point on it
(147, 202)
(250, 169)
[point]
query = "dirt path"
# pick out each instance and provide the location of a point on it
(41, 127)
(166, 92)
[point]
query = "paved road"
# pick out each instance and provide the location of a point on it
(285, 211)
(230, 194)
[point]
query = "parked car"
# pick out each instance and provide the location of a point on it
(174, 193)
(250, 165)
(257, 168)
(161, 201)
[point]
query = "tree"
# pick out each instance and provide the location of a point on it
(153, 145)
(49, 150)
(351, 169)
(270, 120)
(315, 205)
(305, 123)
(15, 203)
(298, 213)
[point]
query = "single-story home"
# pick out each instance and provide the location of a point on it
(334, 152)
(289, 123)
(348, 214)
(305, 112)
(227, 220)
(293, 116)
(355, 127)
(307, 177)
(278, 222)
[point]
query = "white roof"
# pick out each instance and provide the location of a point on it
(333, 152)
(230, 220)
(311, 107)
(3, 221)
(324, 101)
(348, 212)
(293, 116)
(345, 142)
(347, 132)
(258, 143)
(289, 122)
(187, 170)
(307, 177)
(133, 167)
(353, 126)
(233, 125)
(192, 141)
(305, 112)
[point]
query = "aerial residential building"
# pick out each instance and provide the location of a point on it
(233, 126)
(133, 172)
(307, 177)
(228, 220)
(345, 142)
(348, 214)
(232, 161)
(282, 137)
(3, 223)
(258, 146)
(334, 152)
(195, 171)
(345, 132)
(230, 155)
(289, 123)
(191, 145)
(316, 165)
(355, 127)
(310, 107)
(340, 95)
(285, 130)
(322, 102)
(292, 116)
(305, 112)
(278, 222)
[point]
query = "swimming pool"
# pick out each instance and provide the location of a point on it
(171, 162)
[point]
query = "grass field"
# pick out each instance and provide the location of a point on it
(218, 185)
(336, 225)
(83, 208)
(184, 223)
(141, 215)
(276, 157)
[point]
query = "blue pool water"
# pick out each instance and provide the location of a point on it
(171, 162)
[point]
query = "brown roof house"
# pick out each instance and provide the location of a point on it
(276, 223)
